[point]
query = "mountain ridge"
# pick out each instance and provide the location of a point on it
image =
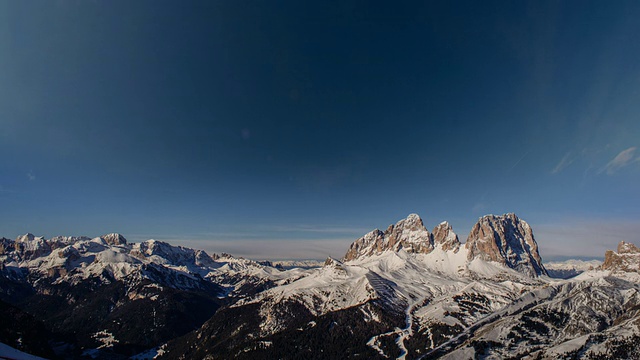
(90, 290)
(409, 293)
(504, 239)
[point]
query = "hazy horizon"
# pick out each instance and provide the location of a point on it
(241, 244)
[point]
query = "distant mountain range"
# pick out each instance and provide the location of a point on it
(569, 268)
(405, 292)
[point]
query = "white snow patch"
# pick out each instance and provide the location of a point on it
(567, 346)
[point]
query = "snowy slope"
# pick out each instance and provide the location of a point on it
(434, 290)
(403, 293)
(556, 319)
(105, 294)
(8, 352)
(490, 298)
(432, 287)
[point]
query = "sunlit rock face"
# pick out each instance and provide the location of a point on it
(409, 234)
(445, 238)
(626, 259)
(507, 240)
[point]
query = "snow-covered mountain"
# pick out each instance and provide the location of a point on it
(121, 297)
(409, 293)
(111, 258)
(404, 293)
(570, 268)
(626, 259)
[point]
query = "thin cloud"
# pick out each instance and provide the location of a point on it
(520, 159)
(566, 160)
(481, 205)
(621, 160)
(3, 190)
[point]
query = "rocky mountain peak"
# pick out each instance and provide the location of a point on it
(371, 243)
(507, 240)
(25, 237)
(114, 239)
(30, 246)
(204, 259)
(413, 221)
(409, 234)
(331, 262)
(445, 238)
(627, 259)
(627, 248)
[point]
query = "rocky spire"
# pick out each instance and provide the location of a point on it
(445, 238)
(507, 240)
(627, 248)
(409, 234)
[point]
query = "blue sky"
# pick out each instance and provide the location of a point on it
(276, 129)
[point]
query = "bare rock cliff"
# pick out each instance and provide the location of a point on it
(409, 234)
(507, 240)
(445, 238)
(626, 259)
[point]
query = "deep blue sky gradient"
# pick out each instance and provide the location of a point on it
(223, 122)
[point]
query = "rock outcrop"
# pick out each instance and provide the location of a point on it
(503, 239)
(507, 240)
(626, 259)
(31, 247)
(114, 239)
(445, 238)
(409, 234)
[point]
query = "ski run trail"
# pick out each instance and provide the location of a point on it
(402, 334)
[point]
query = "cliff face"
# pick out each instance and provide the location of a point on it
(507, 240)
(503, 239)
(370, 244)
(445, 238)
(409, 234)
(626, 259)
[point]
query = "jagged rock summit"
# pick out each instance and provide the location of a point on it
(507, 240)
(627, 248)
(626, 259)
(504, 239)
(114, 239)
(409, 234)
(445, 238)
